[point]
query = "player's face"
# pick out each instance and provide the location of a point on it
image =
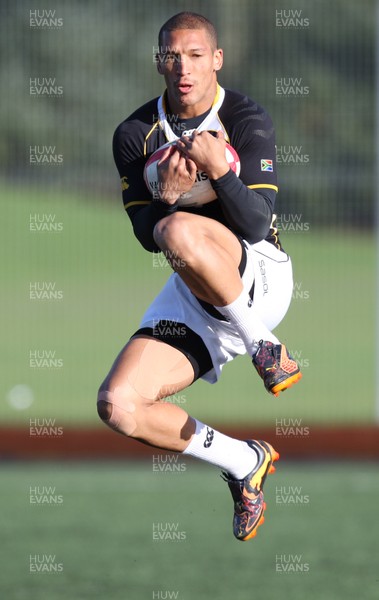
(189, 66)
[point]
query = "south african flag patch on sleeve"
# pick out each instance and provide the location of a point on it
(266, 165)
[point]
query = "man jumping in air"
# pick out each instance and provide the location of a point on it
(232, 280)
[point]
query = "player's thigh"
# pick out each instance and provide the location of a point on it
(147, 370)
(196, 229)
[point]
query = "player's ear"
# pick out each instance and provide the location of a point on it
(218, 59)
(158, 60)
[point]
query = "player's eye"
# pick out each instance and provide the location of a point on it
(171, 58)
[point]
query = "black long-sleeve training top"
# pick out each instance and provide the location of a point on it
(244, 204)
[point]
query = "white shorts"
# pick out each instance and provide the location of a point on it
(268, 269)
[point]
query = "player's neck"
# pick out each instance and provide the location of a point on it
(191, 110)
(179, 119)
(187, 112)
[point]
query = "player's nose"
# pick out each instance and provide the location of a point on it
(182, 65)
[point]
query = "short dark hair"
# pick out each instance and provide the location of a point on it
(189, 20)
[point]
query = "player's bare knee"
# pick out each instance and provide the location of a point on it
(117, 412)
(104, 405)
(104, 410)
(174, 233)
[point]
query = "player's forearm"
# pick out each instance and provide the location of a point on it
(249, 213)
(145, 219)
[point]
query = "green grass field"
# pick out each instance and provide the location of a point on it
(100, 536)
(107, 281)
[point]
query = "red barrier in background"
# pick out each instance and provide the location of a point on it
(347, 442)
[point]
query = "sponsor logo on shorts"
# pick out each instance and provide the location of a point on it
(262, 267)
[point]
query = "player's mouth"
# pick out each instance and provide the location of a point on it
(184, 88)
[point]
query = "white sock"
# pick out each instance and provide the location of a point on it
(241, 314)
(234, 456)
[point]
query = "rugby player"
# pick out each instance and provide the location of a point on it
(232, 280)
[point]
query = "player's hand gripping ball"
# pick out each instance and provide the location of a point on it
(201, 191)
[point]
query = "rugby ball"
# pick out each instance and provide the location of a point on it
(201, 191)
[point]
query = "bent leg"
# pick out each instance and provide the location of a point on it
(130, 401)
(205, 254)
(130, 398)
